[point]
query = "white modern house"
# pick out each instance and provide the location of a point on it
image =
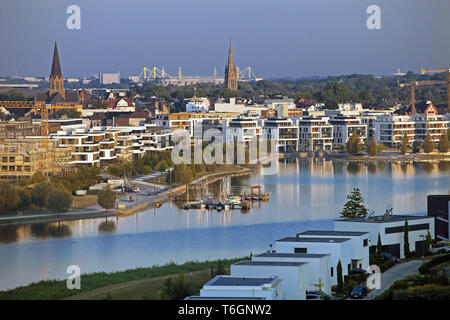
(343, 128)
(319, 267)
(294, 275)
(359, 243)
(337, 248)
(391, 230)
(268, 288)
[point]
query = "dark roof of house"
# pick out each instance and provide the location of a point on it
(71, 97)
(324, 240)
(138, 115)
(332, 233)
(239, 281)
(56, 66)
(382, 219)
(291, 255)
(270, 263)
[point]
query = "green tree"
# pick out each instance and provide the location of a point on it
(404, 148)
(429, 241)
(372, 147)
(340, 280)
(9, 197)
(354, 144)
(379, 246)
(106, 198)
(40, 193)
(443, 143)
(354, 207)
(428, 144)
(161, 165)
(59, 200)
(37, 177)
(176, 290)
(406, 241)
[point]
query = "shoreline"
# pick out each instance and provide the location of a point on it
(155, 203)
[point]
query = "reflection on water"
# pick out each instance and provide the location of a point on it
(107, 227)
(305, 194)
(302, 190)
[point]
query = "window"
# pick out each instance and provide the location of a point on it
(332, 273)
(300, 250)
(413, 227)
(366, 242)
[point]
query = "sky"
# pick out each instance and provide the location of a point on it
(277, 38)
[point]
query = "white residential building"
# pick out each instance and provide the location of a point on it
(294, 275)
(343, 128)
(241, 130)
(197, 105)
(337, 248)
(391, 230)
(315, 133)
(319, 267)
(359, 244)
(267, 288)
(283, 131)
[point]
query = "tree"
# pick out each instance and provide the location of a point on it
(379, 246)
(429, 239)
(404, 148)
(9, 197)
(428, 144)
(406, 241)
(354, 207)
(161, 165)
(340, 281)
(39, 194)
(443, 143)
(176, 290)
(373, 147)
(59, 200)
(107, 198)
(354, 144)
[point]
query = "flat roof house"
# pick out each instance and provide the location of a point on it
(268, 288)
(338, 248)
(319, 267)
(359, 243)
(438, 206)
(391, 230)
(295, 275)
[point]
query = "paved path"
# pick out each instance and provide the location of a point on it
(395, 273)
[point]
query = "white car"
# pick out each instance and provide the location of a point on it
(437, 249)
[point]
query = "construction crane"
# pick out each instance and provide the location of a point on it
(423, 71)
(413, 86)
(43, 108)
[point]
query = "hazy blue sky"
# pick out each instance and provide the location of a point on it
(278, 38)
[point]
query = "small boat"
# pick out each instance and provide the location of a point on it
(220, 206)
(235, 200)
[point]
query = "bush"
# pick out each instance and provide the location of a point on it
(9, 197)
(426, 267)
(176, 290)
(425, 292)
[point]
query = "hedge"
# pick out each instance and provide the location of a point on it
(426, 267)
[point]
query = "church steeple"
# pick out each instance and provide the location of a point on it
(231, 71)
(56, 78)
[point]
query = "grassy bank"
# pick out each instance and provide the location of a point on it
(57, 289)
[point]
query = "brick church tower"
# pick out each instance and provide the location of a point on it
(231, 75)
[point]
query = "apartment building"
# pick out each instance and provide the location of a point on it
(22, 158)
(390, 129)
(343, 128)
(283, 131)
(18, 129)
(241, 129)
(438, 206)
(315, 133)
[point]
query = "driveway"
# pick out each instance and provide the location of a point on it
(395, 273)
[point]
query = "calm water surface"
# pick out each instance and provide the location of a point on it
(305, 194)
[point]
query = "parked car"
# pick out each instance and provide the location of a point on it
(388, 256)
(313, 296)
(358, 271)
(358, 292)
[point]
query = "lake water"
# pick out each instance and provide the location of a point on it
(305, 194)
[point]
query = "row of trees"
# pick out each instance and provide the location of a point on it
(52, 196)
